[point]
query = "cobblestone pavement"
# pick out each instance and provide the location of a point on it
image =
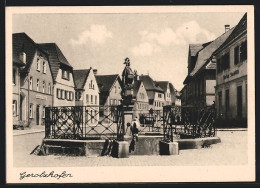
(231, 151)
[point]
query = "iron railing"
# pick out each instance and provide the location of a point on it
(188, 122)
(84, 122)
(151, 121)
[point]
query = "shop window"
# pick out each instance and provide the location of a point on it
(14, 107)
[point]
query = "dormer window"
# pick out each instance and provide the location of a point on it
(38, 66)
(65, 74)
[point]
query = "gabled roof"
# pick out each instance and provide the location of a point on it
(205, 54)
(56, 57)
(172, 89)
(239, 28)
(106, 82)
(80, 77)
(195, 48)
(163, 85)
(137, 84)
(149, 84)
(23, 43)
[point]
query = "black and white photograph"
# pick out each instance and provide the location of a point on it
(130, 94)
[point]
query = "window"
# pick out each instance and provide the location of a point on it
(38, 64)
(43, 86)
(225, 61)
(31, 83)
(71, 96)
(43, 112)
(62, 95)
(159, 95)
(111, 102)
(65, 74)
(115, 89)
(14, 107)
(227, 100)
(31, 110)
(236, 54)
(115, 102)
(65, 94)
(91, 85)
(78, 95)
(58, 93)
(44, 67)
(14, 75)
(243, 51)
(91, 99)
(95, 99)
(87, 98)
(37, 85)
(68, 96)
(49, 88)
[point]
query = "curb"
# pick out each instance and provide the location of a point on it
(24, 133)
(232, 129)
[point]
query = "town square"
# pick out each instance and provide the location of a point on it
(129, 89)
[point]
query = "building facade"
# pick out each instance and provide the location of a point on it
(110, 88)
(18, 64)
(154, 92)
(62, 71)
(200, 82)
(231, 86)
(36, 81)
(140, 97)
(87, 94)
(165, 85)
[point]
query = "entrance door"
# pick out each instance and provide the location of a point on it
(37, 114)
(239, 101)
(20, 108)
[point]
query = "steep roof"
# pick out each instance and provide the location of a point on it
(163, 85)
(195, 48)
(172, 89)
(149, 84)
(56, 57)
(239, 28)
(106, 82)
(137, 84)
(205, 54)
(22, 42)
(80, 77)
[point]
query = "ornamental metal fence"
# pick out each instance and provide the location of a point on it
(84, 122)
(188, 122)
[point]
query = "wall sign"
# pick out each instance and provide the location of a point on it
(230, 74)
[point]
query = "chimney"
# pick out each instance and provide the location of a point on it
(22, 57)
(95, 71)
(227, 27)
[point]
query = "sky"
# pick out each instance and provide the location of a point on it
(156, 43)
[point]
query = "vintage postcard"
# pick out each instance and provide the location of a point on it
(130, 94)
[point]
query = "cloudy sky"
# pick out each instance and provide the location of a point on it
(157, 44)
